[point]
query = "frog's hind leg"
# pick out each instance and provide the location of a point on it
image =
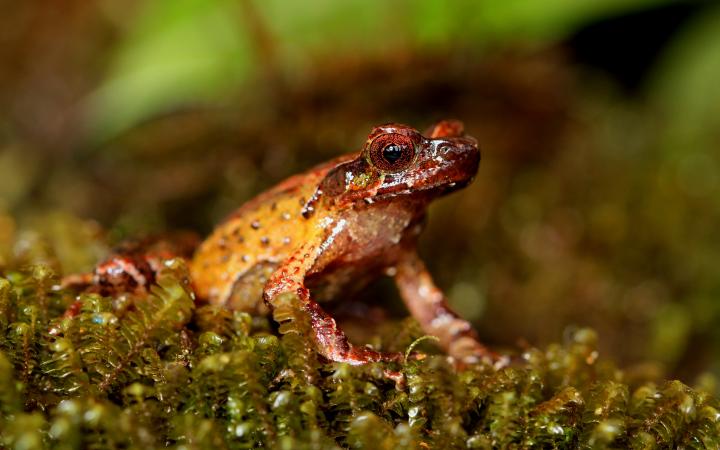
(133, 265)
(428, 305)
(329, 339)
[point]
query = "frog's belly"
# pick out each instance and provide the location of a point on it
(342, 282)
(246, 292)
(333, 283)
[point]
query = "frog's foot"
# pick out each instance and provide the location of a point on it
(334, 345)
(120, 273)
(362, 355)
(429, 306)
(330, 341)
(133, 265)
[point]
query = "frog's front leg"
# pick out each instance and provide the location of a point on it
(428, 305)
(329, 339)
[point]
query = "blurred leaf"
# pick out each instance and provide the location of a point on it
(514, 20)
(191, 50)
(686, 82)
(178, 51)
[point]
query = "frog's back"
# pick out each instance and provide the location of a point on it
(243, 251)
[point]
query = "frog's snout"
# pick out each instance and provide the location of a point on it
(461, 156)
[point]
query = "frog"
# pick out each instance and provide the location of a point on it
(340, 225)
(322, 234)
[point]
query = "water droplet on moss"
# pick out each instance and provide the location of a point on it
(281, 398)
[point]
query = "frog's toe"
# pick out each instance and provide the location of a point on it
(364, 355)
(392, 357)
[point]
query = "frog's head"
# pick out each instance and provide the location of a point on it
(409, 163)
(400, 162)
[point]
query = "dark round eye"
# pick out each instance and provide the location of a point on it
(391, 152)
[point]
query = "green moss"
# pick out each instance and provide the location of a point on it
(160, 371)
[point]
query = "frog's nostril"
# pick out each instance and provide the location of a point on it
(444, 148)
(458, 146)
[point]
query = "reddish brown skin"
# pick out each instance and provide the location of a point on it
(331, 230)
(336, 227)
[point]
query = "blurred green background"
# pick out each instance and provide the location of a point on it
(597, 202)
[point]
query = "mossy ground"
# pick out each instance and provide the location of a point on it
(594, 205)
(159, 371)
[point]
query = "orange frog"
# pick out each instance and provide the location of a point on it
(339, 226)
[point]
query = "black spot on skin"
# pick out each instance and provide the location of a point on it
(238, 237)
(244, 258)
(265, 240)
(273, 207)
(307, 211)
(255, 224)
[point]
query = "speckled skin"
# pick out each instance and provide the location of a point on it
(340, 225)
(254, 240)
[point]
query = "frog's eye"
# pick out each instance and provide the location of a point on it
(391, 152)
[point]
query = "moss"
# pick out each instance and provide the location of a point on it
(160, 371)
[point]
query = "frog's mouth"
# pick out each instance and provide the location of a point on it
(424, 192)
